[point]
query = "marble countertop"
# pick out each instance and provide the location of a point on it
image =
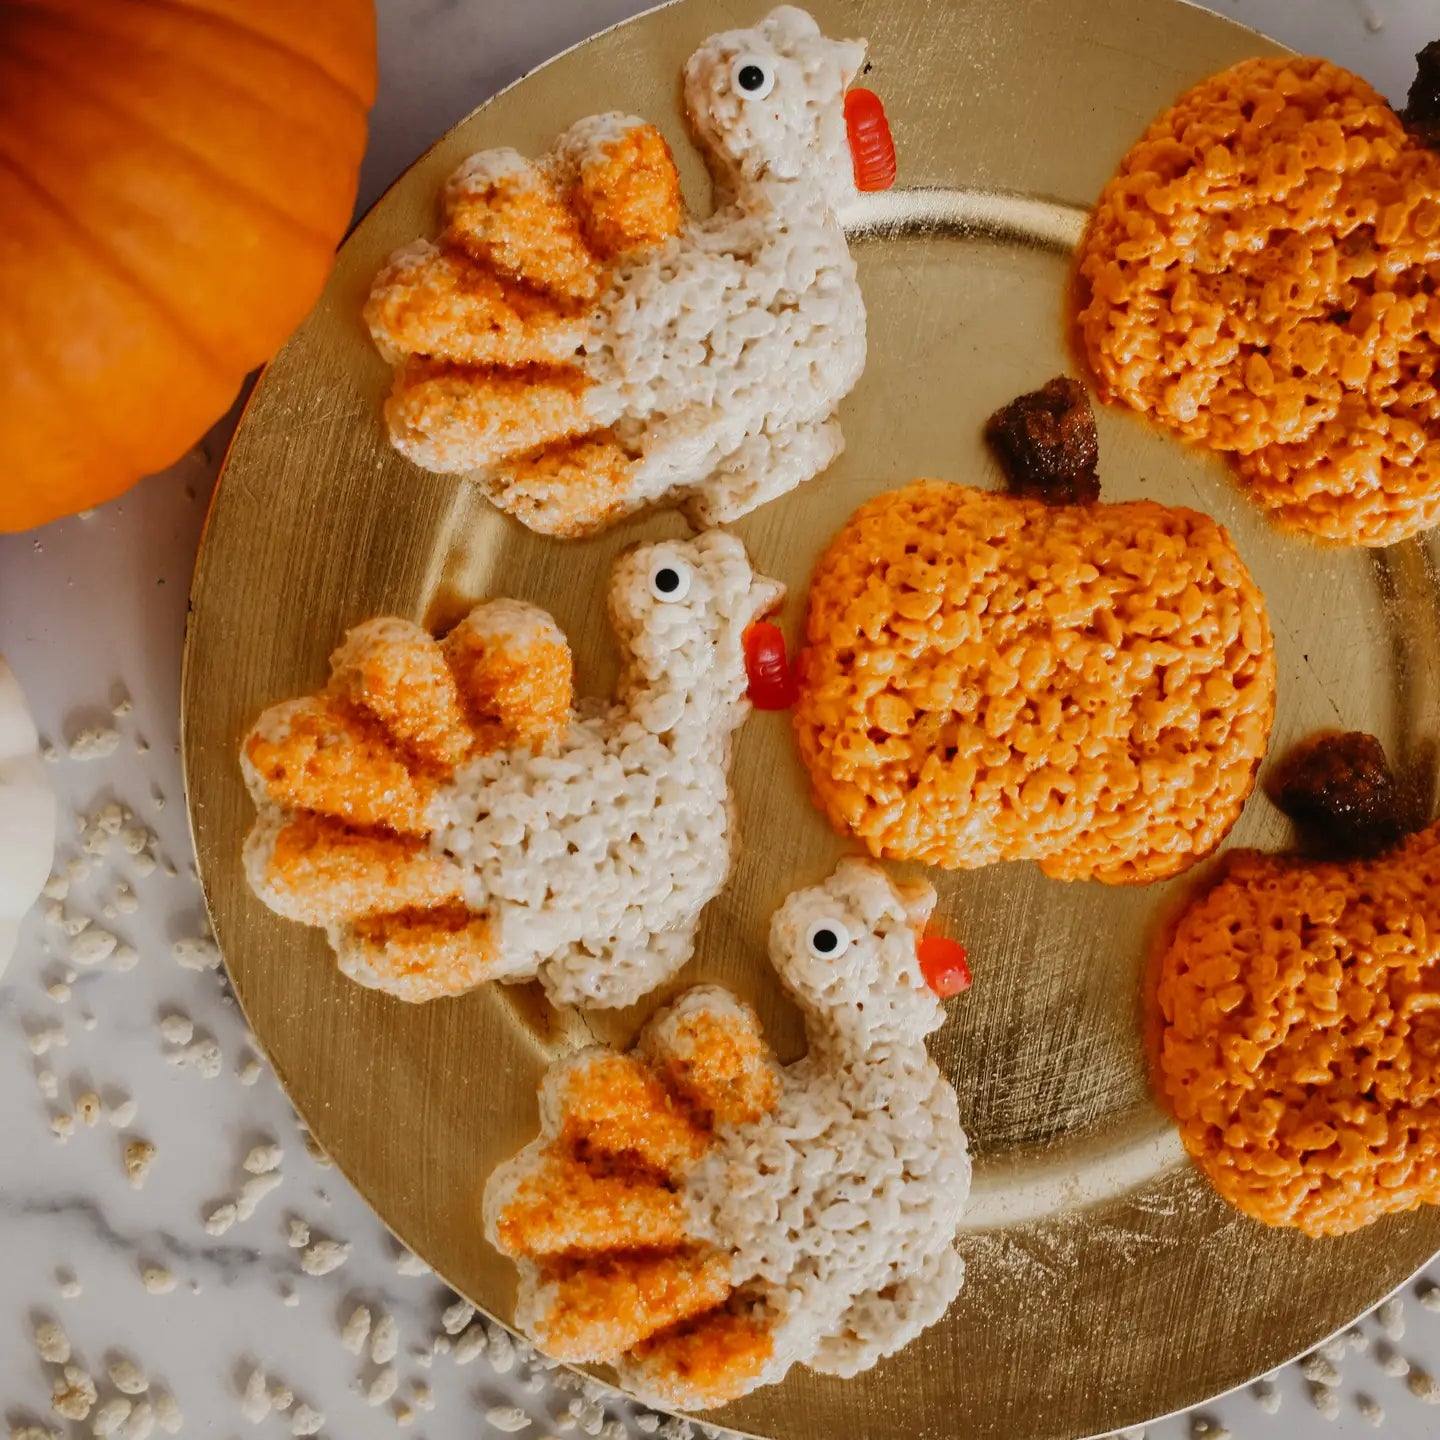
(91, 618)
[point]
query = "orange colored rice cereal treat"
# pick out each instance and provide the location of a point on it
(1300, 1035)
(990, 678)
(1260, 277)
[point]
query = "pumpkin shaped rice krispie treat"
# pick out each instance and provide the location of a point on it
(1261, 277)
(992, 677)
(1299, 1000)
(704, 1218)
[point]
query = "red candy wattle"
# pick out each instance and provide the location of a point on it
(872, 149)
(772, 683)
(944, 966)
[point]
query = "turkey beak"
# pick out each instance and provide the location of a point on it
(918, 898)
(766, 597)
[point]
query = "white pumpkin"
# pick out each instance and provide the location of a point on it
(27, 813)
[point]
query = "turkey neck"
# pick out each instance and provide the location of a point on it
(694, 704)
(797, 198)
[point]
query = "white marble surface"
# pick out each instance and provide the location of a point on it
(92, 610)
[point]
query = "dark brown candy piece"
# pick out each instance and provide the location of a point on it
(1421, 115)
(1340, 793)
(1046, 444)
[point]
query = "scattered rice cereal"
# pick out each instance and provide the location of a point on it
(262, 1159)
(157, 1279)
(197, 952)
(92, 947)
(1423, 1386)
(507, 1419)
(177, 1029)
(255, 1401)
(168, 1414)
(1390, 1317)
(51, 1342)
(471, 1344)
(306, 1421)
(111, 1415)
(127, 1377)
(74, 1394)
(139, 1157)
(409, 1263)
(1391, 1361)
(383, 1386)
(323, 1256)
(384, 1340)
(141, 1422)
(220, 1219)
(254, 1190)
(94, 743)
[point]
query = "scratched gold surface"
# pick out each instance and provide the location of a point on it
(1105, 1284)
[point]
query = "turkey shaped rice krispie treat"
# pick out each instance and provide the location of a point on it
(451, 817)
(993, 677)
(1260, 276)
(575, 345)
(704, 1218)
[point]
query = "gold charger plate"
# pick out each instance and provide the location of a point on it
(1106, 1284)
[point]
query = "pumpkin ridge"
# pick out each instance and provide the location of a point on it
(227, 22)
(187, 337)
(210, 76)
(169, 141)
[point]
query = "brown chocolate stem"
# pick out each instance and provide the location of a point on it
(1343, 798)
(1421, 115)
(1046, 444)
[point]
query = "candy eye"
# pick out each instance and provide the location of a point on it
(827, 939)
(752, 76)
(669, 580)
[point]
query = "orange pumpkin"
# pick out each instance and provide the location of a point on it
(174, 178)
